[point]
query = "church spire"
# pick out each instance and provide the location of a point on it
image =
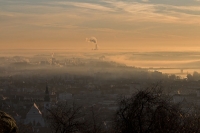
(46, 97)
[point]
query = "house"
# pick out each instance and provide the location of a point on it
(34, 117)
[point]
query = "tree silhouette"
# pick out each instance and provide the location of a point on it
(65, 118)
(149, 111)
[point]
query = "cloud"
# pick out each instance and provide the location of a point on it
(85, 5)
(115, 9)
(145, 0)
(137, 11)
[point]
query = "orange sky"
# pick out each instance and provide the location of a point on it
(116, 24)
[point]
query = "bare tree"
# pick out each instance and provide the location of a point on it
(93, 121)
(65, 118)
(149, 111)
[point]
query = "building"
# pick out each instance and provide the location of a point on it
(65, 96)
(34, 117)
(192, 99)
(47, 103)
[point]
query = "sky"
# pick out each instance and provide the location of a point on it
(117, 24)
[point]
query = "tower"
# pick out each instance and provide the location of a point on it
(47, 103)
(53, 61)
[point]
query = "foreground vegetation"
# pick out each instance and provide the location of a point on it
(147, 111)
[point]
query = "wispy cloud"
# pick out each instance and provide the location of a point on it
(183, 8)
(145, 0)
(123, 10)
(157, 12)
(84, 5)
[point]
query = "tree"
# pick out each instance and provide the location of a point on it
(172, 77)
(93, 121)
(7, 123)
(190, 77)
(149, 111)
(65, 119)
(196, 75)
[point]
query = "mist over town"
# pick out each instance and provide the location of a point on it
(95, 79)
